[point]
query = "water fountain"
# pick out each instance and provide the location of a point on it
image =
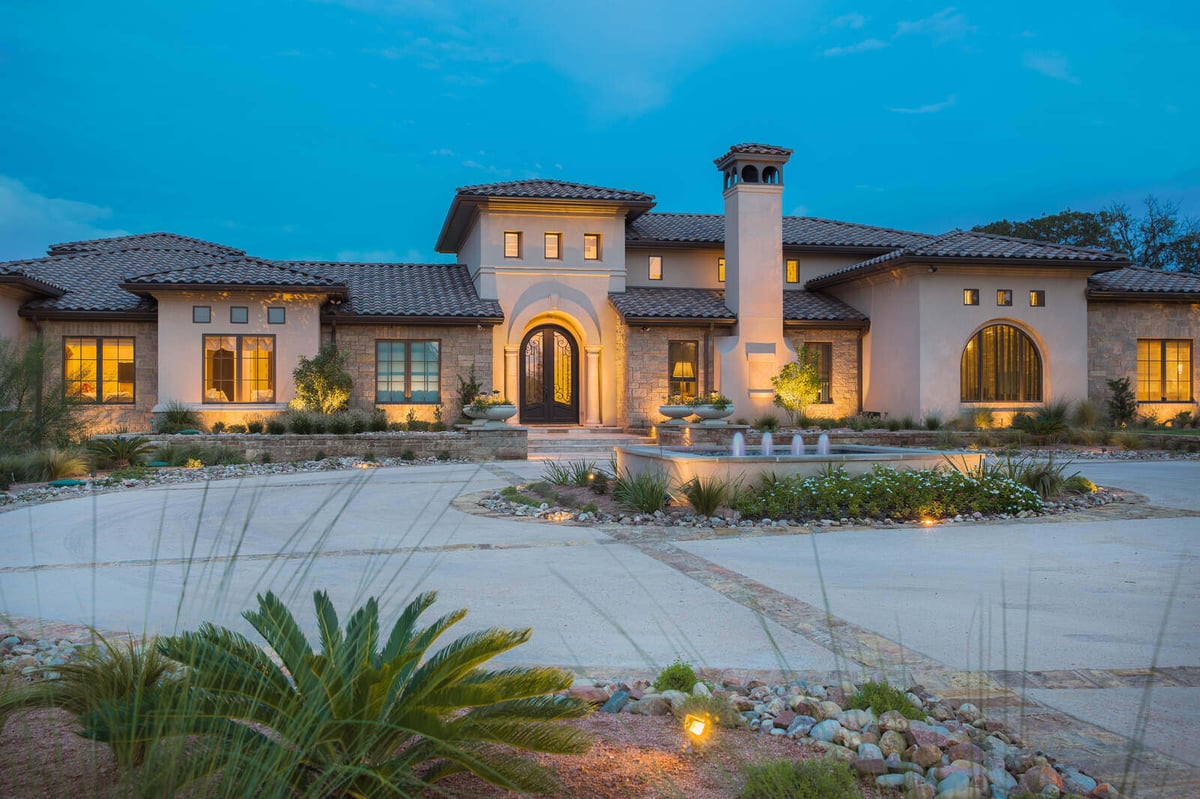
(823, 444)
(768, 444)
(797, 447)
(738, 448)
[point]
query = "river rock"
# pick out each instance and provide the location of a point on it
(893, 720)
(926, 755)
(825, 730)
(969, 752)
(1039, 777)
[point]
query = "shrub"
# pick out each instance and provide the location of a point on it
(120, 450)
(767, 423)
(379, 421)
(418, 426)
(468, 390)
(983, 418)
(718, 710)
(893, 425)
(1086, 414)
(515, 494)
(408, 455)
(183, 454)
(798, 383)
(443, 455)
(705, 494)
(338, 423)
(907, 423)
(933, 421)
(678, 676)
(275, 426)
(322, 383)
(176, 416)
(367, 715)
(1048, 478)
(645, 492)
(799, 779)
(54, 464)
(947, 439)
(880, 698)
(235, 429)
(35, 410)
(255, 424)
(1127, 439)
(579, 473)
(1122, 402)
(1078, 484)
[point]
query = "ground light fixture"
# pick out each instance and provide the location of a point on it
(697, 728)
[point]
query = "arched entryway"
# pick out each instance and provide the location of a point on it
(549, 376)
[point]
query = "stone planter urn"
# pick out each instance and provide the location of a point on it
(675, 413)
(493, 415)
(711, 415)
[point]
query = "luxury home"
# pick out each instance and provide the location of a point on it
(585, 306)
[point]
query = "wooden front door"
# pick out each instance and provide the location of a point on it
(549, 377)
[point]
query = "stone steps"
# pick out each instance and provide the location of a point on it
(580, 441)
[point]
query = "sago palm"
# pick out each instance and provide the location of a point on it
(363, 716)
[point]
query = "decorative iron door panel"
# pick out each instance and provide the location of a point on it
(549, 377)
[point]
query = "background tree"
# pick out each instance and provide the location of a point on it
(798, 384)
(322, 383)
(1160, 238)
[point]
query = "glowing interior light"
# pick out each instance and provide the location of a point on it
(695, 725)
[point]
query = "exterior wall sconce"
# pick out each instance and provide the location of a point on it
(932, 270)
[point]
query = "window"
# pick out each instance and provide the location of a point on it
(98, 369)
(1037, 298)
(1000, 364)
(553, 246)
(970, 296)
(820, 355)
(276, 316)
(239, 368)
(591, 246)
(201, 314)
(407, 371)
(720, 270)
(1004, 296)
(792, 270)
(656, 267)
(683, 368)
(239, 315)
(1164, 370)
(512, 244)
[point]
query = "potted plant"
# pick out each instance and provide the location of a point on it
(490, 408)
(676, 409)
(712, 408)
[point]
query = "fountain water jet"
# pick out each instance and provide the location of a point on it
(823, 444)
(768, 444)
(797, 444)
(738, 448)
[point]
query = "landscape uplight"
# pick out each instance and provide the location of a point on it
(696, 726)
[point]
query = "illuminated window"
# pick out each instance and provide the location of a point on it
(820, 355)
(792, 270)
(512, 244)
(98, 369)
(591, 246)
(407, 372)
(1004, 297)
(656, 267)
(553, 247)
(276, 316)
(1000, 364)
(682, 368)
(1164, 370)
(970, 296)
(201, 314)
(1037, 298)
(239, 368)
(239, 315)
(720, 270)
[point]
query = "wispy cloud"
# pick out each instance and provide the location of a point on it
(30, 221)
(944, 26)
(442, 151)
(865, 46)
(853, 20)
(931, 108)
(1051, 64)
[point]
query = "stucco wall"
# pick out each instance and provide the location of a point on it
(891, 353)
(102, 418)
(1113, 331)
(646, 381)
(461, 347)
(697, 267)
(844, 374)
(11, 326)
(181, 342)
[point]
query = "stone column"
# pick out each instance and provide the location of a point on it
(593, 385)
(512, 386)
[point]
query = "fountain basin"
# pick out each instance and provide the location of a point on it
(684, 463)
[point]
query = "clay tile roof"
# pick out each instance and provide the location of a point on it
(144, 241)
(810, 306)
(553, 190)
(750, 148)
(405, 290)
(1139, 280)
(798, 231)
(239, 271)
(639, 303)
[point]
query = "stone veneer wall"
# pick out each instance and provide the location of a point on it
(101, 418)
(645, 384)
(1113, 331)
(480, 444)
(461, 347)
(844, 374)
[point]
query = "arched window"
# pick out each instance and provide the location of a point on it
(1001, 364)
(770, 175)
(749, 174)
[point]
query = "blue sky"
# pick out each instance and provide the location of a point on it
(340, 128)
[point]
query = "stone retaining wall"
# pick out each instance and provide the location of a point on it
(466, 443)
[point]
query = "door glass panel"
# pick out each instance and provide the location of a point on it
(562, 369)
(533, 370)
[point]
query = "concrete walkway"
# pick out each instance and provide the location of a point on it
(1053, 623)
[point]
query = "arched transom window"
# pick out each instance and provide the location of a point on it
(1001, 364)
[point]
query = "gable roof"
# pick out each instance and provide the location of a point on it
(798, 231)
(425, 292)
(975, 246)
(541, 188)
(1138, 282)
(238, 272)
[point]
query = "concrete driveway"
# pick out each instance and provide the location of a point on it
(1059, 617)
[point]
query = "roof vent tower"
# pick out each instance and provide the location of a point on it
(753, 191)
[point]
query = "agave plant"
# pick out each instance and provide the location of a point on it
(362, 716)
(121, 450)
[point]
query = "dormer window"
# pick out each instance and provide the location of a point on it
(512, 244)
